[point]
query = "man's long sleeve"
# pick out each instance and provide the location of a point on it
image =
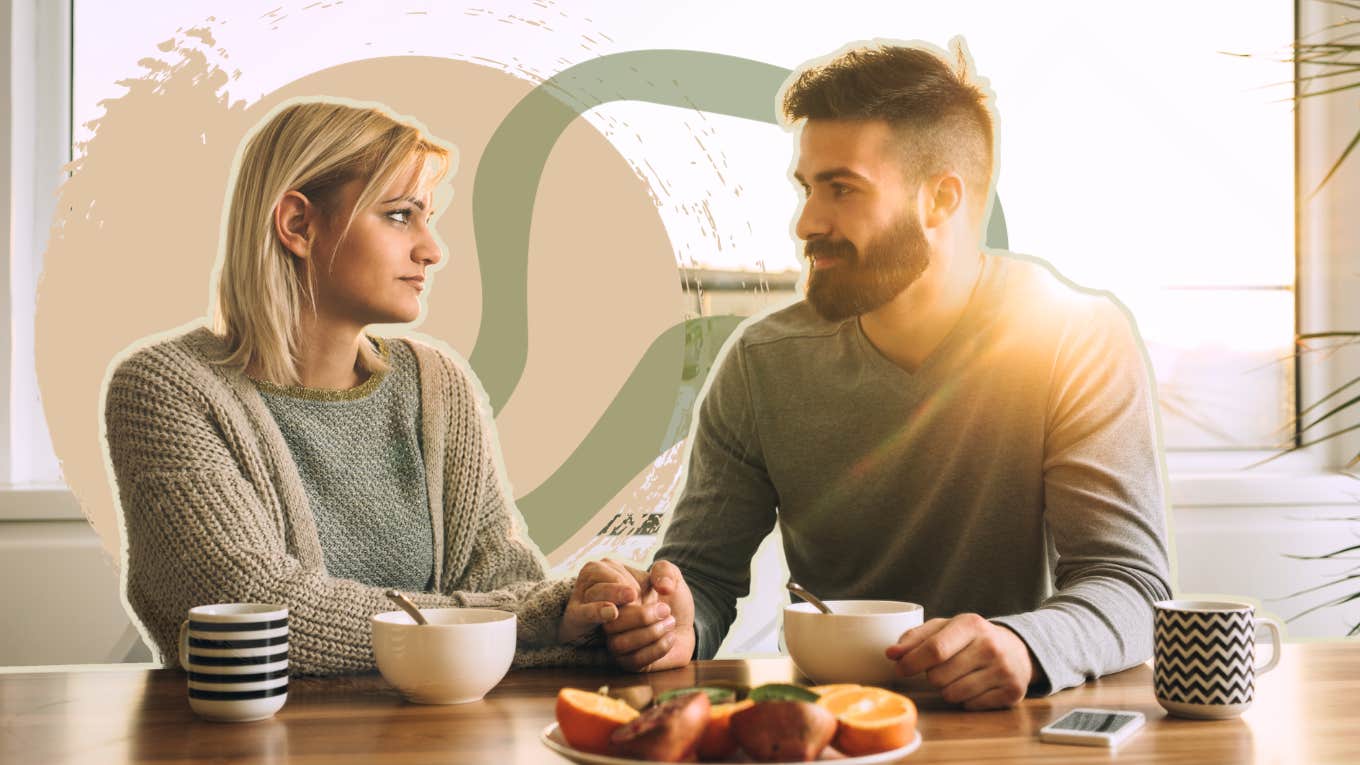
(727, 506)
(1104, 508)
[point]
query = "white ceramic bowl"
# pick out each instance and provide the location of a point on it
(456, 658)
(847, 645)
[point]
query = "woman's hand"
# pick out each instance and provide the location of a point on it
(602, 588)
(657, 632)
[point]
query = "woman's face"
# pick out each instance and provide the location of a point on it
(380, 265)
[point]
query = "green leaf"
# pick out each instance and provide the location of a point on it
(1349, 148)
(1337, 333)
(1307, 444)
(1308, 409)
(1329, 604)
(1335, 410)
(782, 692)
(715, 695)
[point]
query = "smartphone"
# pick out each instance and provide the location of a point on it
(1093, 727)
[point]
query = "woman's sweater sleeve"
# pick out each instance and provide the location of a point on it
(199, 531)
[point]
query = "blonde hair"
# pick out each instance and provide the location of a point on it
(312, 147)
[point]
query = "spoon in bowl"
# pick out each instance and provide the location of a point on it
(406, 605)
(817, 603)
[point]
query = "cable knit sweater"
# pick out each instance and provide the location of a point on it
(214, 511)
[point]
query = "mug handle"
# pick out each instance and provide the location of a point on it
(184, 645)
(1275, 640)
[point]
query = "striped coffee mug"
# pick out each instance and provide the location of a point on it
(236, 655)
(1204, 664)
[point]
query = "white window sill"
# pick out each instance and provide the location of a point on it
(1197, 479)
(1228, 479)
(38, 502)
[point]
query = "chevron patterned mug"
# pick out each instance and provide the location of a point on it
(1204, 665)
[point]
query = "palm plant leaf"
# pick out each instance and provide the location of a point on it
(1335, 52)
(1341, 388)
(1349, 148)
(1341, 601)
(1322, 586)
(1335, 410)
(1325, 556)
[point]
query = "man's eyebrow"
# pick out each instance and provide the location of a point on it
(833, 174)
(418, 203)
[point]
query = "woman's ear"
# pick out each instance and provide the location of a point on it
(295, 222)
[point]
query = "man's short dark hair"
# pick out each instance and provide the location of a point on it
(944, 121)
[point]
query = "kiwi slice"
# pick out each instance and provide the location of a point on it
(782, 692)
(715, 695)
(739, 689)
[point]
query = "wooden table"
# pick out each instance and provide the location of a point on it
(1307, 711)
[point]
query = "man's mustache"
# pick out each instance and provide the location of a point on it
(831, 248)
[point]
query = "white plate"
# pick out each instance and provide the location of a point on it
(553, 739)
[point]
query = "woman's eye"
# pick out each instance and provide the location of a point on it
(400, 216)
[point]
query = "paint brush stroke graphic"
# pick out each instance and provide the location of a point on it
(132, 253)
(634, 428)
(138, 224)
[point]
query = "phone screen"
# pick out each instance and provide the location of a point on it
(1094, 722)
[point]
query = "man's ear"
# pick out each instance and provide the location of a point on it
(295, 221)
(945, 199)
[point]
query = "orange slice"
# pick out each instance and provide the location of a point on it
(871, 719)
(587, 718)
(717, 742)
(825, 690)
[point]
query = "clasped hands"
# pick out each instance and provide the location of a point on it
(647, 616)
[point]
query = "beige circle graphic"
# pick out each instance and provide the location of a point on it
(138, 228)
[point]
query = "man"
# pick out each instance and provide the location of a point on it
(934, 423)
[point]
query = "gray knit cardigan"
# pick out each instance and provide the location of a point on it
(213, 511)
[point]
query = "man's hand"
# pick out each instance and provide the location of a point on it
(657, 632)
(972, 661)
(602, 588)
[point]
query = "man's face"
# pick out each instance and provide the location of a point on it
(863, 236)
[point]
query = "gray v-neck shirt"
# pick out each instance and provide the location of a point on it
(359, 455)
(1015, 474)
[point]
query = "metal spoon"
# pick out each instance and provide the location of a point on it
(406, 605)
(798, 590)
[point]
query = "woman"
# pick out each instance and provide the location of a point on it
(285, 456)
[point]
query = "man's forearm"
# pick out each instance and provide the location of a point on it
(1097, 625)
(714, 611)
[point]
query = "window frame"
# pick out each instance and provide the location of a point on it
(38, 47)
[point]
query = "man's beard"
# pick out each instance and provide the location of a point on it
(862, 282)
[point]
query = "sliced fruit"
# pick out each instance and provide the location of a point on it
(871, 720)
(587, 719)
(739, 690)
(782, 692)
(823, 690)
(783, 731)
(715, 695)
(667, 732)
(635, 696)
(717, 743)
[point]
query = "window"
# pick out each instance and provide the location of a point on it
(1142, 159)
